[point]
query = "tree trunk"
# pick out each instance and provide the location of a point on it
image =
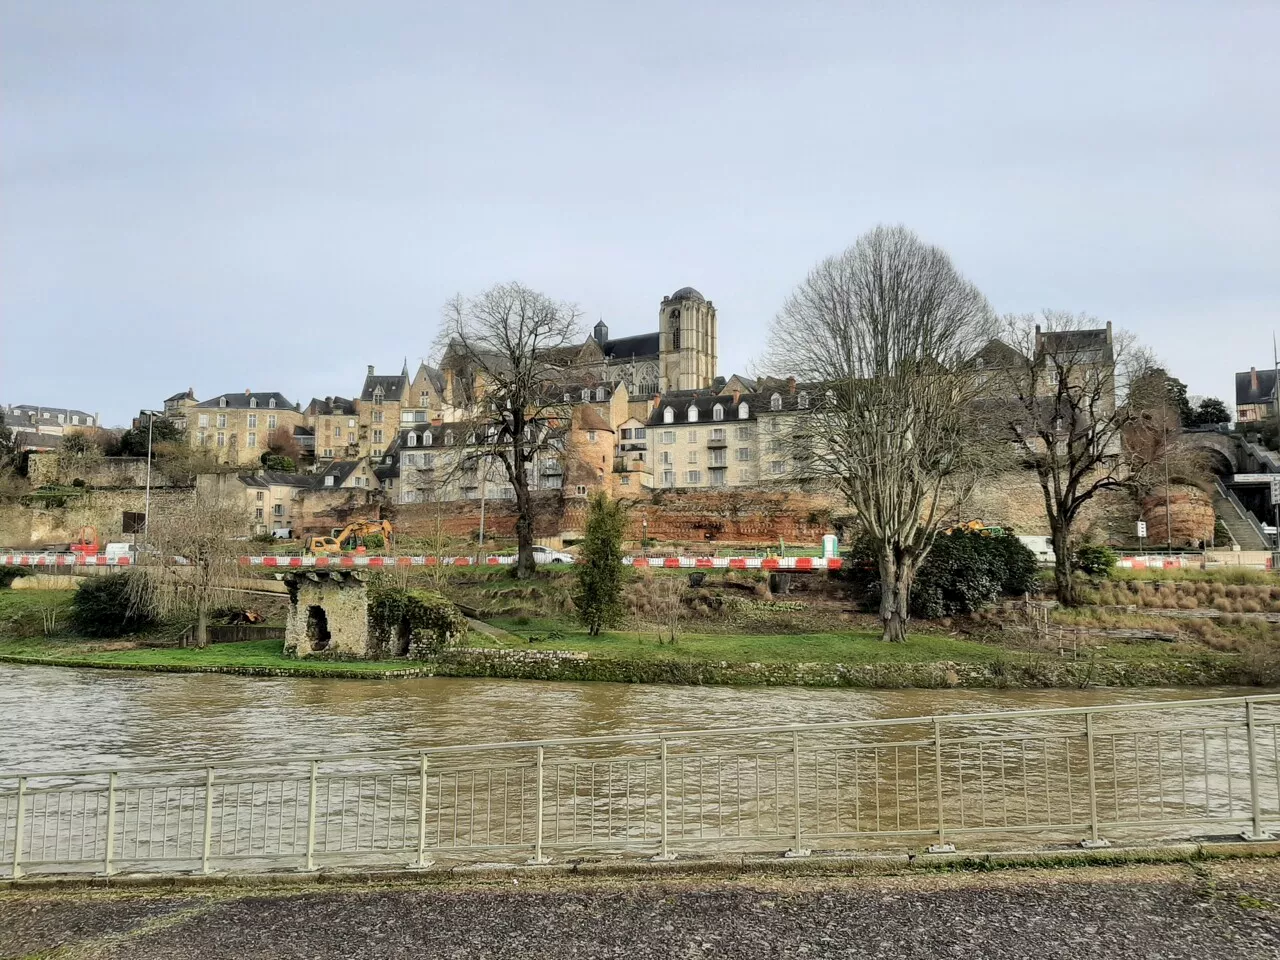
(202, 623)
(895, 594)
(1062, 564)
(526, 569)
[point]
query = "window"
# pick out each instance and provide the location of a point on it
(675, 329)
(253, 421)
(271, 422)
(277, 510)
(328, 452)
(253, 439)
(591, 436)
(257, 514)
(411, 439)
(775, 402)
(693, 456)
(600, 397)
(775, 446)
(448, 438)
(802, 401)
(377, 397)
(75, 419)
(744, 454)
(201, 439)
(351, 422)
(776, 467)
(568, 396)
(668, 478)
(717, 412)
(717, 433)
(668, 436)
(625, 480)
(717, 459)
(328, 480)
(377, 437)
(668, 415)
(259, 497)
(253, 401)
(586, 395)
(428, 460)
(718, 478)
(743, 411)
(422, 398)
(693, 477)
(272, 403)
(222, 401)
(426, 438)
(743, 433)
(377, 416)
(640, 433)
(203, 420)
(626, 433)
(222, 439)
(693, 413)
(664, 458)
(582, 490)
(693, 436)
(222, 420)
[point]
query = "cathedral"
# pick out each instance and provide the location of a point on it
(681, 355)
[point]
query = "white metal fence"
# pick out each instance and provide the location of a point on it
(1156, 769)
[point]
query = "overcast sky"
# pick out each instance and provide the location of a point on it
(273, 195)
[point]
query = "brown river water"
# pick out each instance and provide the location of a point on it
(54, 717)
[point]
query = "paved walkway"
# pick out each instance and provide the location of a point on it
(1222, 910)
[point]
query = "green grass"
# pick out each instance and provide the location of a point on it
(844, 647)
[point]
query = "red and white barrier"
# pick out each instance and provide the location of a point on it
(790, 564)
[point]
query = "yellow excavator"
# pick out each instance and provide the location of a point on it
(355, 530)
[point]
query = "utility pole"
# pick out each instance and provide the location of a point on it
(146, 503)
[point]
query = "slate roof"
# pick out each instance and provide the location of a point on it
(393, 386)
(187, 394)
(688, 293)
(30, 440)
(1265, 392)
(240, 401)
(331, 406)
(642, 346)
(434, 375)
(278, 478)
(339, 470)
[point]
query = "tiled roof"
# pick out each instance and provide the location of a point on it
(242, 401)
(331, 406)
(393, 386)
(1264, 392)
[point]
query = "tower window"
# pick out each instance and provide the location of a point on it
(675, 329)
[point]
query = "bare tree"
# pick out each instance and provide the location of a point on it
(509, 350)
(1082, 411)
(193, 564)
(883, 334)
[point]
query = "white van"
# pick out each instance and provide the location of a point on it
(118, 550)
(1042, 547)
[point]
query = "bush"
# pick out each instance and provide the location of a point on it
(374, 541)
(964, 572)
(1094, 560)
(275, 461)
(102, 607)
(10, 574)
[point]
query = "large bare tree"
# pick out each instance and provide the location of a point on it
(883, 333)
(191, 562)
(509, 350)
(1083, 411)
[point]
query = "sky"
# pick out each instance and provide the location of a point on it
(274, 195)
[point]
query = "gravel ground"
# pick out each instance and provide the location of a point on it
(1220, 910)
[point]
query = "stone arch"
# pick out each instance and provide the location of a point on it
(1222, 453)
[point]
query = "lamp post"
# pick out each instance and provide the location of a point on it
(644, 536)
(146, 503)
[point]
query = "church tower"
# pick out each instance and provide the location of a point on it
(687, 344)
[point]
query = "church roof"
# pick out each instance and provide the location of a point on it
(630, 348)
(688, 293)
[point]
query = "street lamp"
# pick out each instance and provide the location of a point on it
(146, 503)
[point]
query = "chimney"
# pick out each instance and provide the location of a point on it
(371, 369)
(737, 395)
(791, 384)
(1253, 379)
(247, 391)
(1108, 331)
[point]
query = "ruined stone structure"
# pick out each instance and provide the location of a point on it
(328, 613)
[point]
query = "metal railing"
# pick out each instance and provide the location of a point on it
(1128, 771)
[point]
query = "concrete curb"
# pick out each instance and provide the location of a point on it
(834, 863)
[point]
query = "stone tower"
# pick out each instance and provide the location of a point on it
(687, 345)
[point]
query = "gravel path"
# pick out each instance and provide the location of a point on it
(1221, 910)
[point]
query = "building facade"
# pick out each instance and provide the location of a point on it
(235, 427)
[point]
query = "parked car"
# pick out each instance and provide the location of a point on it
(543, 554)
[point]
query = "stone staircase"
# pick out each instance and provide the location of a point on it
(1231, 514)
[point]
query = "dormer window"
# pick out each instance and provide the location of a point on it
(586, 396)
(693, 413)
(377, 397)
(411, 439)
(669, 415)
(328, 480)
(568, 397)
(803, 401)
(775, 402)
(426, 438)
(271, 404)
(448, 438)
(743, 411)
(222, 401)
(253, 401)
(599, 394)
(717, 412)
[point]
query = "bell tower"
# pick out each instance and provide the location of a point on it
(687, 344)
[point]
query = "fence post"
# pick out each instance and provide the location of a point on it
(537, 816)
(111, 823)
(311, 817)
(422, 862)
(1093, 841)
(941, 846)
(18, 827)
(1255, 832)
(797, 850)
(208, 819)
(663, 852)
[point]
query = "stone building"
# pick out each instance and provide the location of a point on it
(235, 427)
(328, 613)
(681, 355)
(334, 425)
(378, 410)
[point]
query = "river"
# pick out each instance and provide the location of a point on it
(55, 717)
